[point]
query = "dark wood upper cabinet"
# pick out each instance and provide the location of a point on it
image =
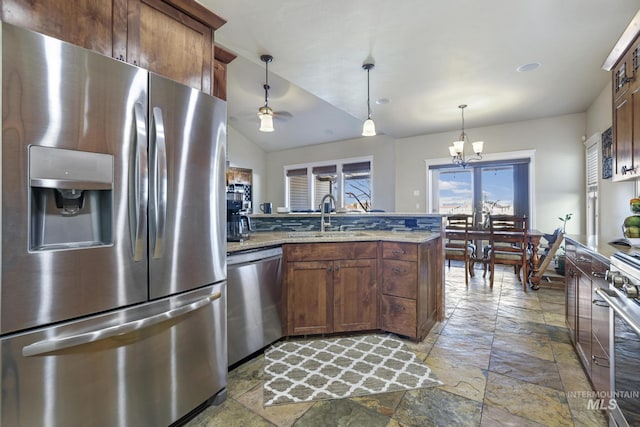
(91, 24)
(624, 64)
(173, 38)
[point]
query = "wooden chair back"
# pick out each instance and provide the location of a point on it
(508, 241)
(457, 245)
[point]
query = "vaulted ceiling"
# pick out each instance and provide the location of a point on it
(430, 56)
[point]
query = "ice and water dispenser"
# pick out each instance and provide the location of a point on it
(71, 199)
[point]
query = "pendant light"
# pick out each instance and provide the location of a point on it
(368, 128)
(265, 113)
(457, 149)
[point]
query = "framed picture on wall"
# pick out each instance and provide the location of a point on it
(607, 154)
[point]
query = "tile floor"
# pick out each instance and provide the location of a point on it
(503, 355)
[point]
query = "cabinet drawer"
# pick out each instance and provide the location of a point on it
(330, 251)
(399, 315)
(399, 278)
(402, 251)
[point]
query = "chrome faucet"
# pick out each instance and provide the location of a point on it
(328, 223)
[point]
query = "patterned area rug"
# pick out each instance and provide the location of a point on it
(316, 369)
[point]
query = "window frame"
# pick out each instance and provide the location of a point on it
(492, 157)
(338, 163)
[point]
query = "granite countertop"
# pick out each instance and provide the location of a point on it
(266, 239)
(600, 245)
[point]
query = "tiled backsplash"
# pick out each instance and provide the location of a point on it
(311, 222)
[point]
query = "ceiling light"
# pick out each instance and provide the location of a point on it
(368, 128)
(528, 67)
(457, 149)
(265, 113)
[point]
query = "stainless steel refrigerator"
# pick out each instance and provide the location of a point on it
(113, 287)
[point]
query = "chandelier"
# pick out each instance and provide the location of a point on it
(457, 149)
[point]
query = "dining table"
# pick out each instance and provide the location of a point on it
(479, 235)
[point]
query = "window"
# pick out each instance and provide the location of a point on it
(357, 185)
(348, 180)
(482, 189)
(298, 188)
(592, 185)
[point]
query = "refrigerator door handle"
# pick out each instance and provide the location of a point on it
(139, 186)
(54, 345)
(159, 184)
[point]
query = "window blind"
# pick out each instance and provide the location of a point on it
(592, 167)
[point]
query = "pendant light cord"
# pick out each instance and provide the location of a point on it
(266, 59)
(463, 136)
(368, 98)
(266, 84)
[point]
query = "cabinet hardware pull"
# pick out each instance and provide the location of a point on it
(398, 270)
(626, 80)
(600, 303)
(398, 252)
(595, 360)
(583, 259)
(625, 169)
(329, 269)
(337, 268)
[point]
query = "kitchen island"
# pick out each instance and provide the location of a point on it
(356, 280)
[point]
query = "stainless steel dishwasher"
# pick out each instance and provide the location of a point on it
(254, 301)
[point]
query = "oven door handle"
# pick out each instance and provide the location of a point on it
(57, 344)
(610, 299)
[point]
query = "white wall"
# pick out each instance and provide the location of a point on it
(383, 168)
(559, 165)
(614, 196)
(243, 153)
(399, 166)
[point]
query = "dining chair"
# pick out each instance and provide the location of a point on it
(508, 242)
(457, 245)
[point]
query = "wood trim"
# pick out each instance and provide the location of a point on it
(223, 55)
(623, 43)
(199, 12)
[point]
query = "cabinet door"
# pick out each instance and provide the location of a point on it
(354, 295)
(583, 332)
(309, 297)
(430, 284)
(400, 278)
(399, 315)
(599, 309)
(571, 313)
(166, 41)
(600, 372)
(93, 24)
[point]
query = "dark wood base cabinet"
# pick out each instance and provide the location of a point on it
(357, 286)
(330, 287)
(411, 300)
(587, 316)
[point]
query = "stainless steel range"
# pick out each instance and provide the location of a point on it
(623, 297)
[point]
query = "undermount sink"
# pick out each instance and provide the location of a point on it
(316, 234)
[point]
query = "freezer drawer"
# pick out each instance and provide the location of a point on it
(254, 301)
(148, 365)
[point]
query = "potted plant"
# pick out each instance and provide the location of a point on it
(561, 256)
